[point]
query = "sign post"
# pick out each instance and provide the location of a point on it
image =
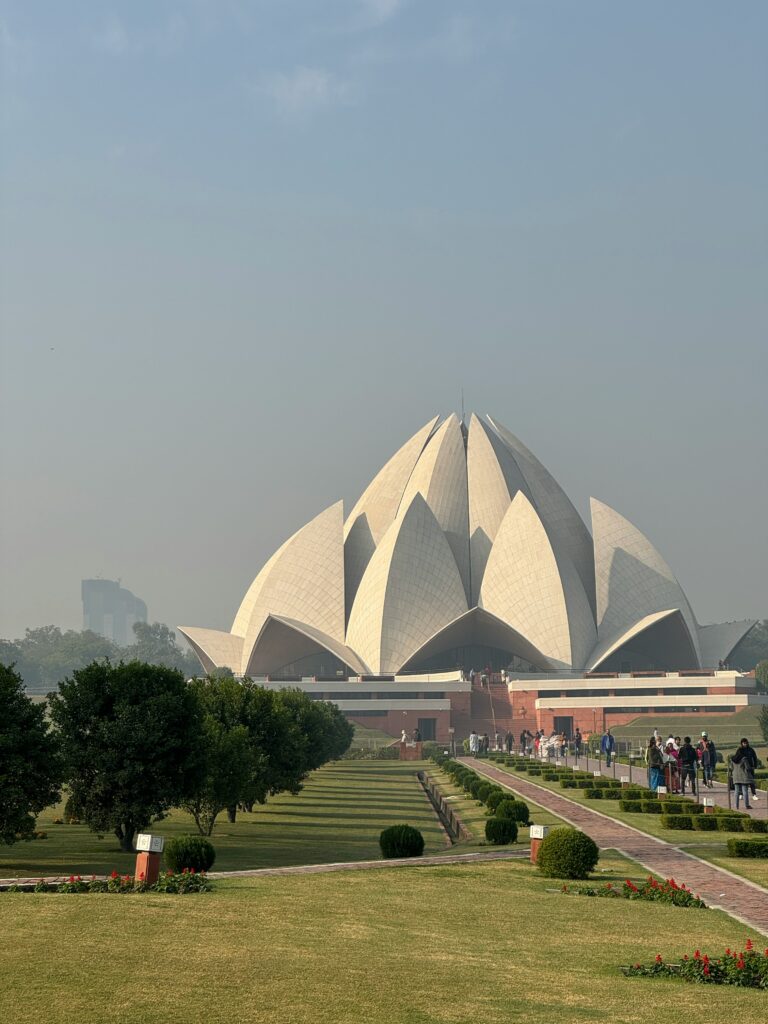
(538, 832)
(148, 850)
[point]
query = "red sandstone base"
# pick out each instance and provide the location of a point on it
(148, 865)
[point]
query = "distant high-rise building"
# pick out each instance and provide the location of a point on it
(110, 610)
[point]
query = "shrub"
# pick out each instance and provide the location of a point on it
(610, 794)
(726, 823)
(494, 799)
(631, 806)
(567, 853)
(483, 791)
(401, 841)
(514, 810)
(677, 821)
(567, 783)
(594, 794)
(652, 807)
(195, 853)
(501, 831)
(755, 825)
(585, 783)
(748, 847)
(704, 822)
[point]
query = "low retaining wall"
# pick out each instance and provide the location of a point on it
(452, 823)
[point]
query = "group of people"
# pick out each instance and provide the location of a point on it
(674, 762)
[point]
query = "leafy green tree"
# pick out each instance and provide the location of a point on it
(30, 767)
(327, 732)
(47, 655)
(761, 675)
(226, 749)
(131, 736)
(762, 721)
(156, 644)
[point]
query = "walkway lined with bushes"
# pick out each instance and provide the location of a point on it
(737, 896)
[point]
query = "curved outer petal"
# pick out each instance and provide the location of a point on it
(376, 508)
(570, 537)
(718, 641)
(478, 626)
(493, 479)
(214, 648)
(282, 641)
(524, 587)
(605, 648)
(440, 477)
(632, 579)
(303, 580)
(410, 589)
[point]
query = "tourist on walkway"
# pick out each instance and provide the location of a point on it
(607, 745)
(473, 743)
(705, 762)
(498, 741)
(404, 737)
(655, 760)
(509, 741)
(672, 767)
(484, 743)
(744, 763)
(688, 762)
(709, 771)
(577, 741)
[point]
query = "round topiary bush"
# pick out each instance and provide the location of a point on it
(501, 831)
(401, 841)
(194, 853)
(482, 792)
(494, 799)
(567, 853)
(515, 810)
(474, 786)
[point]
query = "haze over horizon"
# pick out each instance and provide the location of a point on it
(250, 248)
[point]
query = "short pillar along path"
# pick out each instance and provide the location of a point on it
(738, 897)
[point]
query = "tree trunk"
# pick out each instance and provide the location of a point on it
(232, 814)
(125, 838)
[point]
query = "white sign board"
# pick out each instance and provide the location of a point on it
(539, 831)
(596, 774)
(149, 844)
(662, 790)
(624, 779)
(708, 801)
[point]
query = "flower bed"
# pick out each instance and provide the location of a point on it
(177, 882)
(668, 891)
(748, 968)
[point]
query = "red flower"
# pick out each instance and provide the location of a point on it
(749, 944)
(191, 871)
(728, 951)
(114, 875)
(71, 878)
(697, 955)
(685, 957)
(141, 877)
(658, 958)
(705, 958)
(706, 969)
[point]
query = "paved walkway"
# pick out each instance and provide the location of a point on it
(739, 897)
(319, 869)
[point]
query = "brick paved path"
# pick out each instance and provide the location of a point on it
(318, 869)
(739, 897)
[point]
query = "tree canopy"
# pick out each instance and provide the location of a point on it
(131, 738)
(30, 768)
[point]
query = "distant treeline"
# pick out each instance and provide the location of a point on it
(48, 655)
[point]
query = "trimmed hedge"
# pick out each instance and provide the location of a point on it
(704, 822)
(755, 825)
(194, 853)
(677, 821)
(483, 792)
(515, 810)
(631, 806)
(728, 824)
(401, 841)
(501, 831)
(567, 853)
(494, 799)
(652, 807)
(748, 847)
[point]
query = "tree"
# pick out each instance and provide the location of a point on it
(30, 768)
(131, 737)
(327, 732)
(47, 655)
(156, 644)
(227, 752)
(761, 675)
(762, 721)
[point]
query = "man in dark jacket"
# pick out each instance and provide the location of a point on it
(608, 745)
(688, 762)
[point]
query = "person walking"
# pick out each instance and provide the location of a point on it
(577, 741)
(608, 745)
(744, 763)
(473, 743)
(655, 760)
(688, 762)
(509, 741)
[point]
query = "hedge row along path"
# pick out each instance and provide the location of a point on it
(320, 869)
(738, 897)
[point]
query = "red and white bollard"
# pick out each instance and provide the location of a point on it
(624, 781)
(148, 851)
(709, 805)
(538, 832)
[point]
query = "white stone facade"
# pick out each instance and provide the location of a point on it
(464, 539)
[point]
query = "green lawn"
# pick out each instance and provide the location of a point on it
(707, 845)
(338, 816)
(453, 944)
(726, 730)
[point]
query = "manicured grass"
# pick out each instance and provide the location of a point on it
(452, 944)
(338, 816)
(708, 845)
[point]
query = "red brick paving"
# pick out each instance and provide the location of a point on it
(739, 897)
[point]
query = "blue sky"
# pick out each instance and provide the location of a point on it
(249, 248)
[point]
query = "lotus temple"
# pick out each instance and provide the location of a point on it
(464, 589)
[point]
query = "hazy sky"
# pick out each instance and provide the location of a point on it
(250, 247)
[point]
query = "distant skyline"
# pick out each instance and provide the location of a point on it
(250, 247)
